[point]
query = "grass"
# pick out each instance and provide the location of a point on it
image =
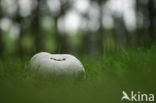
(106, 78)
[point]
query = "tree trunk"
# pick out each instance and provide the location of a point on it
(57, 36)
(18, 19)
(151, 21)
(61, 39)
(100, 32)
(36, 28)
(1, 35)
(120, 33)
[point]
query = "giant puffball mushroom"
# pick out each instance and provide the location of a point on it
(58, 64)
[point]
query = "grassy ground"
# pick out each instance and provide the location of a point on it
(106, 78)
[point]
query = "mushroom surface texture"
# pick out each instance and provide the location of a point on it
(57, 64)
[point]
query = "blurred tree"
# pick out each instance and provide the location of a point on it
(120, 32)
(94, 35)
(88, 43)
(152, 20)
(17, 18)
(146, 22)
(91, 41)
(61, 38)
(36, 26)
(100, 31)
(1, 36)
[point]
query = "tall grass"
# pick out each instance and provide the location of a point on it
(106, 78)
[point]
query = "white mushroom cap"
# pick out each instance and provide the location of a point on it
(59, 64)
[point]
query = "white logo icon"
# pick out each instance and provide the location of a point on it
(125, 96)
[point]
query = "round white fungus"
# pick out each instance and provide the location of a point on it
(58, 64)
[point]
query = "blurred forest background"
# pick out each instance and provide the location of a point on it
(87, 27)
